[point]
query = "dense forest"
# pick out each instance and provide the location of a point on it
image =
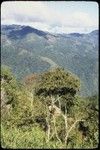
(49, 75)
(26, 50)
(45, 110)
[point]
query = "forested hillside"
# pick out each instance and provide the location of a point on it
(44, 110)
(27, 50)
(49, 75)
(49, 89)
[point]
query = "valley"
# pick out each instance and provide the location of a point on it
(27, 50)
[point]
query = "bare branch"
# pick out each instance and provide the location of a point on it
(56, 129)
(48, 125)
(74, 124)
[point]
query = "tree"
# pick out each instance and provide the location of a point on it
(6, 73)
(8, 90)
(93, 120)
(30, 82)
(57, 83)
(52, 87)
(15, 100)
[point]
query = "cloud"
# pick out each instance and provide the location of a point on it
(40, 15)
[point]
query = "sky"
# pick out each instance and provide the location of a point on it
(52, 16)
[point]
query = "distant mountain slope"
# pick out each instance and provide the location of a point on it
(14, 31)
(26, 50)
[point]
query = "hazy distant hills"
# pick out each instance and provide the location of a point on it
(26, 50)
(15, 31)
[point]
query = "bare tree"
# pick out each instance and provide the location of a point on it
(58, 112)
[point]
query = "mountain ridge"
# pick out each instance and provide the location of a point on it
(32, 29)
(23, 49)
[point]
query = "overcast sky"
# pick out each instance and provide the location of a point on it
(55, 17)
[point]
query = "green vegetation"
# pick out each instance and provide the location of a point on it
(27, 53)
(45, 111)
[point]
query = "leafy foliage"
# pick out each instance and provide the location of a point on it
(24, 124)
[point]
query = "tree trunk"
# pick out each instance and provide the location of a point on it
(48, 125)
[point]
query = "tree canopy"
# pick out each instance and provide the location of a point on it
(71, 122)
(58, 82)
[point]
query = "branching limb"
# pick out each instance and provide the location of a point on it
(55, 130)
(48, 126)
(70, 129)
